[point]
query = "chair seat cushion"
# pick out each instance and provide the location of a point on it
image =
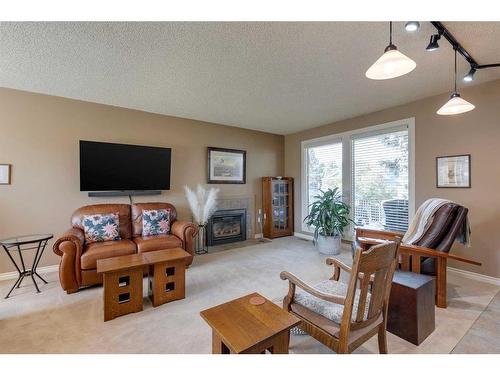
(103, 250)
(329, 310)
(154, 243)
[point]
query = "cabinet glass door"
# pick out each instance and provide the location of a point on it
(280, 205)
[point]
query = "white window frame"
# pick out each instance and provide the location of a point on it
(346, 139)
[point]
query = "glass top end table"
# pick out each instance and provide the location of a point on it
(19, 244)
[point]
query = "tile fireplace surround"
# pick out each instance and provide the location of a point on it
(233, 203)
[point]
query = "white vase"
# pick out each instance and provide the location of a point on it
(328, 245)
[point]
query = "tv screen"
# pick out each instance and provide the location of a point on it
(116, 167)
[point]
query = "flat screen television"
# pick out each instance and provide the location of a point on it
(120, 167)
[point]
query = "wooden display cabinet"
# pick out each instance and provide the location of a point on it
(277, 204)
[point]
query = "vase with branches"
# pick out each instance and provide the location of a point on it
(329, 216)
(203, 204)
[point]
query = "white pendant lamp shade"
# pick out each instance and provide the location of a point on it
(391, 64)
(455, 105)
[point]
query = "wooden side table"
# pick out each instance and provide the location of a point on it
(166, 275)
(122, 281)
(411, 313)
(241, 327)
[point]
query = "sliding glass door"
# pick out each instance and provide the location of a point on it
(380, 182)
(324, 168)
(373, 168)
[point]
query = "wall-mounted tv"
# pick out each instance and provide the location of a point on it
(120, 167)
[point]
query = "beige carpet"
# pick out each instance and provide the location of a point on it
(53, 322)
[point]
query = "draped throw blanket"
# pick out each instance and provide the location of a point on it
(423, 219)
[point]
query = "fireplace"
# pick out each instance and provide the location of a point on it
(227, 226)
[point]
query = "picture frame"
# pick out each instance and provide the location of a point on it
(5, 174)
(226, 166)
(453, 171)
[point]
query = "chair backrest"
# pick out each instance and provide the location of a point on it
(446, 222)
(376, 266)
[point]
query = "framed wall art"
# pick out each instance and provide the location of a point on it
(4, 174)
(453, 171)
(226, 166)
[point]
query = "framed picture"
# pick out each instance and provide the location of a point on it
(453, 171)
(226, 166)
(4, 174)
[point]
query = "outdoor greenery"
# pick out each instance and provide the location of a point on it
(328, 214)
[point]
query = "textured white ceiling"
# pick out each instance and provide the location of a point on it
(274, 77)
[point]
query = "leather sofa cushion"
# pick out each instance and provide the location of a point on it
(123, 216)
(153, 243)
(136, 211)
(103, 250)
(440, 225)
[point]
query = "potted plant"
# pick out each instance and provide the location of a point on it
(329, 216)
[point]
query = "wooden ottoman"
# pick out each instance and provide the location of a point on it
(411, 313)
(166, 275)
(122, 282)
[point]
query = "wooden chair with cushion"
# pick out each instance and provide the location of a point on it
(342, 316)
(429, 255)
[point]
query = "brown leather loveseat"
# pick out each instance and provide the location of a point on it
(78, 264)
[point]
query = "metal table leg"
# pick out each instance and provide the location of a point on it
(21, 269)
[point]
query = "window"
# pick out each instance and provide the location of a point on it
(380, 180)
(373, 167)
(324, 168)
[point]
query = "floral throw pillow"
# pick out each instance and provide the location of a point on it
(155, 222)
(101, 227)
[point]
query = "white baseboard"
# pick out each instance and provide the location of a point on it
(258, 235)
(303, 236)
(475, 276)
(14, 275)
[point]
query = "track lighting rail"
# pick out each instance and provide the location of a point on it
(443, 31)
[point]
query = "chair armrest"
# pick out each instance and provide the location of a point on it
(69, 246)
(378, 234)
(337, 266)
(313, 291)
(73, 235)
(186, 231)
(433, 253)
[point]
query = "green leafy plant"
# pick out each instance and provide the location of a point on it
(328, 214)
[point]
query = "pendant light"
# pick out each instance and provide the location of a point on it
(456, 104)
(391, 64)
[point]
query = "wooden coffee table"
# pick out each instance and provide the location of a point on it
(122, 282)
(166, 275)
(240, 327)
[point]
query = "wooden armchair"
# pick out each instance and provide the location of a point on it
(340, 315)
(423, 259)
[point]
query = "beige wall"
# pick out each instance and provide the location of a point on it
(476, 133)
(39, 136)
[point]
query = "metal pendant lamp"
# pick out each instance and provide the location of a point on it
(456, 104)
(391, 64)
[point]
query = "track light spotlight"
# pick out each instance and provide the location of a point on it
(470, 76)
(412, 26)
(433, 43)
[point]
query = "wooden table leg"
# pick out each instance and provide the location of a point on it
(218, 347)
(441, 297)
(281, 343)
(122, 292)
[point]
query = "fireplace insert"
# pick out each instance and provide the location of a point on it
(226, 226)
